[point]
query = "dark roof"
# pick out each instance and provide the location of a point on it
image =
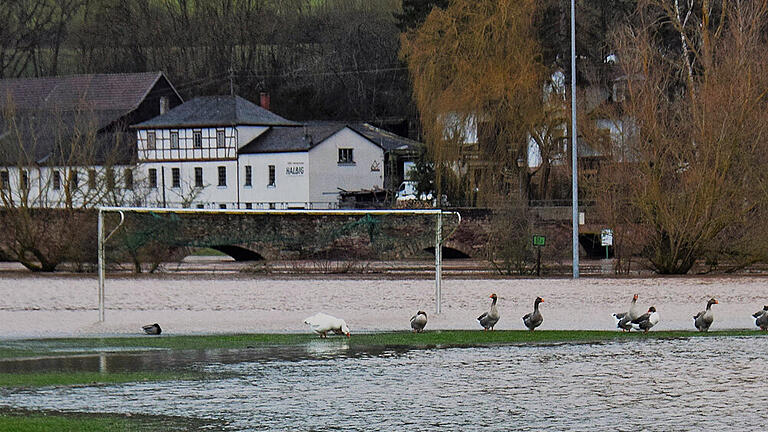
(310, 134)
(53, 114)
(387, 140)
(216, 111)
(119, 93)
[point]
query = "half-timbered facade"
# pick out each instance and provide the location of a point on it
(226, 152)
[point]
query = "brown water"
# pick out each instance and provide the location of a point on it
(55, 305)
(687, 384)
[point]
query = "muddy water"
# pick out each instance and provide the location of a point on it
(40, 306)
(693, 384)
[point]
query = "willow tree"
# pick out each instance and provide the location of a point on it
(478, 83)
(696, 113)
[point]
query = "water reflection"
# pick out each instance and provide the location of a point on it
(697, 383)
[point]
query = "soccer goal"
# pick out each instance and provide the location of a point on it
(124, 233)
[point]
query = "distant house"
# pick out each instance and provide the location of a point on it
(62, 138)
(226, 152)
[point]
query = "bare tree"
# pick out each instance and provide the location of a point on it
(693, 178)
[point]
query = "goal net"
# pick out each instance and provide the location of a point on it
(331, 238)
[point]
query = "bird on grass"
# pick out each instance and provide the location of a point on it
(152, 329)
(761, 318)
(419, 321)
(490, 318)
(703, 319)
(646, 321)
(624, 319)
(321, 324)
(534, 319)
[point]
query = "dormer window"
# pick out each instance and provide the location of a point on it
(151, 140)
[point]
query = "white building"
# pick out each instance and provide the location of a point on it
(226, 152)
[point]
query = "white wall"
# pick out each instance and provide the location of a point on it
(291, 188)
(42, 191)
(327, 175)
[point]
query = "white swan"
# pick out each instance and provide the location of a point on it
(321, 324)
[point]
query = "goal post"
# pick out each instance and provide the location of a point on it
(438, 215)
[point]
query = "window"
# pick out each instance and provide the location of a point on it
(91, 179)
(56, 180)
(4, 180)
(222, 176)
(174, 139)
(74, 181)
(220, 143)
(272, 206)
(222, 206)
(24, 179)
(110, 179)
(197, 138)
(271, 176)
(200, 206)
(248, 175)
(153, 178)
(128, 177)
(248, 206)
(345, 155)
(175, 177)
(151, 141)
(198, 176)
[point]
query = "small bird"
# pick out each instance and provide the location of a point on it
(703, 319)
(152, 329)
(490, 318)
(761, 318)
(419, 321)
(321, 324)
(534, 319)
(646, 321)
(624, 319)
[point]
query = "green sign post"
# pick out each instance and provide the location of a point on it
(538, 242)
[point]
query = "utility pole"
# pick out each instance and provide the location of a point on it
(574, 152)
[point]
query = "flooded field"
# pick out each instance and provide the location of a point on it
(33, 305)
(684, 384)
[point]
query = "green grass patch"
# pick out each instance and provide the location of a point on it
(45, 421)
(64, 347)
(67, 378)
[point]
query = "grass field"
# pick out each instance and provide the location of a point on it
(20, 349)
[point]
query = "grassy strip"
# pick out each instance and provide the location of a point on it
(65, 378)
(59, 347)
(44, 421)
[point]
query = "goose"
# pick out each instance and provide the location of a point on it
(703, 319)
(419, 321)
(321, 324)
(490, 318)
(624, 319)
(761, 318)
(152, 329)
(534, 319)
(646, 321)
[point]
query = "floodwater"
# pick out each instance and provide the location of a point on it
(34, 305)
(684, 384)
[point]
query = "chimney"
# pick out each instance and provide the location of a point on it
(264, 100)
(163, 104)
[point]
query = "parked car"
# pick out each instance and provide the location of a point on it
(407, 192)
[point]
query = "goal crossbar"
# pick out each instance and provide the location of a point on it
(439, 239)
